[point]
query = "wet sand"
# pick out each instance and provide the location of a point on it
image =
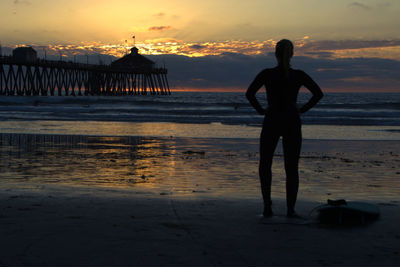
(188, 202)
(84, 227)
(354, 170)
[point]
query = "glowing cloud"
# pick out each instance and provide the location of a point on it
(160, 28)
(388, 49)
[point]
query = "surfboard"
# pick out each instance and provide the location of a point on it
(348, 213)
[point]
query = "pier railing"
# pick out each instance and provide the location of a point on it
(45, 77)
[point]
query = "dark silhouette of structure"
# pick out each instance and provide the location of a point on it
(25, 75)
(25, 54)
(133, 61)
(282, 118)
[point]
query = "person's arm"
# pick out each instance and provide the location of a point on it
(316, 93)
(251, 94)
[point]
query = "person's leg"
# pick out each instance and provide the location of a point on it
(291, 142)
(268, 142)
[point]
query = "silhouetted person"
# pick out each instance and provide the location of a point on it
(282, 118)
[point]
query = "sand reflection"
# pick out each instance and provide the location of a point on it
(161, 165)
(193, 167)
(81, 160)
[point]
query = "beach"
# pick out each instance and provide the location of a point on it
(70, 227)
(173, 181)
(80, 200)
(130, 133)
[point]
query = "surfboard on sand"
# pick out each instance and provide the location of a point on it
(347, 213)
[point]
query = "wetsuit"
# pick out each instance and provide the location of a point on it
(282, 119)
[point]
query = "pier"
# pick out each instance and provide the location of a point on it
(133, 74)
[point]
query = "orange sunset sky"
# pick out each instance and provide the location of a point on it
(347, 45)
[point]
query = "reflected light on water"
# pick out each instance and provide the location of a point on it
(158, 165)
(197, 166)
(109, 161)
(187, 130)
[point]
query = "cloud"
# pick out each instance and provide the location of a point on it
(22, 2)
(210, 71)
(159, 15)
(306, 47)
(349, 44)
(160, 28)
(389, 49)
(235, 64)
(303, 47)
(197, 47)
(384, 5)
(358, 5)
(319, 54)
(233, 70)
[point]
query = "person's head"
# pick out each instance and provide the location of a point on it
(283, 53)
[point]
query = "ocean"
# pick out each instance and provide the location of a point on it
(196, 144)
(199, 114)
(197, 107)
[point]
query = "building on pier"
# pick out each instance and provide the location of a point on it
(133, 61)
(25, 54)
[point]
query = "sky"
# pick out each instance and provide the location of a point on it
(344, 45)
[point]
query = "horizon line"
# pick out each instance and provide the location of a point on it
(302, 90)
